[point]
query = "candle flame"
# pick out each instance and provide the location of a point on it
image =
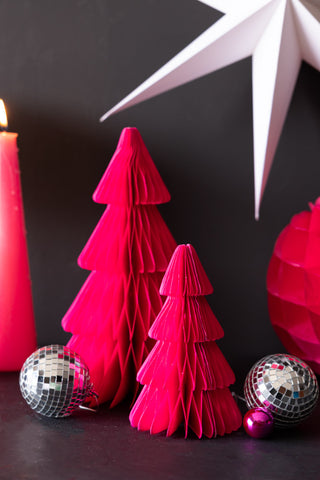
(3, 115)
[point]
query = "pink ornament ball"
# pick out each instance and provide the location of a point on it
(258, 423)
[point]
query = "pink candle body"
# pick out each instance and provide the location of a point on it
(17, 327)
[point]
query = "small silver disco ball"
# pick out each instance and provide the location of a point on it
(285, 386)
(54, 381)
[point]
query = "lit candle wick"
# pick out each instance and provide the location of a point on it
(3, 117)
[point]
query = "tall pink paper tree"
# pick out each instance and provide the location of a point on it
(186, 377)
(127, 252)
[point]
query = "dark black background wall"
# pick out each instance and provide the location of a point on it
(63, 64)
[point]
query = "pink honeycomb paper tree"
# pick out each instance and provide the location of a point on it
(128, 252)
(185, 376)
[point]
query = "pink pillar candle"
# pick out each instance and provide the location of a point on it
(17, 327)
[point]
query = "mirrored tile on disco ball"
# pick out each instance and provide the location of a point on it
(54, 381)
(284, 385)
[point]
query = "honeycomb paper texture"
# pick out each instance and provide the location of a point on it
(128, 252)
(293, 284)
(186, 377)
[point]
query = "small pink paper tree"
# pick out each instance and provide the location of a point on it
(127, 252)
(186, 377)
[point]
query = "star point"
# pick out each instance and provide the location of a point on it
(278, 34)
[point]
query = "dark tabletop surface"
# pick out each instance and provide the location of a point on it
(104, 445)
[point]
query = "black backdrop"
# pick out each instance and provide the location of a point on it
(62, 65)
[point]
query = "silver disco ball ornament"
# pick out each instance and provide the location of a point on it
(54, 381)
(285, 386)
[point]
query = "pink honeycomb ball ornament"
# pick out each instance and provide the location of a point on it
(293, 285)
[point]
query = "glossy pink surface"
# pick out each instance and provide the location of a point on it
(258, 423)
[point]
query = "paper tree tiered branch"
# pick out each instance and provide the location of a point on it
(186, 377)
(128, 252)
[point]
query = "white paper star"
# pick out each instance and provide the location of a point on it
(279, 34)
